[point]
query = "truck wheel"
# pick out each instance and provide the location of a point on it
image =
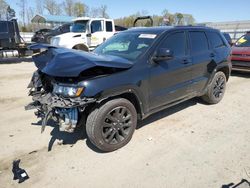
(216, 89)
(112, 125)
(81, 47)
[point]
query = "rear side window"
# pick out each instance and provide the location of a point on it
(3, 27)
(215, 39)
(176, 42)
(199, 41)
(109, 27)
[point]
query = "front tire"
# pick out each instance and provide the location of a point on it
(112, 125)
(216, 89)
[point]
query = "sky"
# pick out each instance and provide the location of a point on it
(202, 10)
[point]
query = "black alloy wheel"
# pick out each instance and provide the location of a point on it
(219, 86)
(117, 125)
(111, 125)
(216, 89)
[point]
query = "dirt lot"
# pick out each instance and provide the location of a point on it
(189, 145)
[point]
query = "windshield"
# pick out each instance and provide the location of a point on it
(244, 41)
(126, 45)
(79, 26)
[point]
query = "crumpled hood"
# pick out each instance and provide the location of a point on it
(62, 62)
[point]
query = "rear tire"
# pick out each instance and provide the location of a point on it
(216, 89)
(112, 125)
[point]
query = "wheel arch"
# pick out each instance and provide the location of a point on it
(131, 96)
(81, 46)
(225, 70)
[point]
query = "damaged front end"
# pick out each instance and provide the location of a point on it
(66, 111)
(57, 87)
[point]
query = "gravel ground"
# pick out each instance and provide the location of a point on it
(189, 145)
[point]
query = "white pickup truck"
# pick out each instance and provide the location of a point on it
(85, 33)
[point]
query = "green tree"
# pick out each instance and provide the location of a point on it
(173, 19)
(79, 9)
(179, 17)
(188, 19)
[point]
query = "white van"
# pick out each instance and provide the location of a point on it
(85, 33)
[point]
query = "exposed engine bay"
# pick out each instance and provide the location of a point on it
(63, 110)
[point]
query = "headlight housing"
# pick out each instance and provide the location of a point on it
(68, 91)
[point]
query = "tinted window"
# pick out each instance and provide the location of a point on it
(3, 27)
(176, 42)
(198, 41)
(79, 26)
(65, 28)
(109, 27)
(215, 39)
(96, 26)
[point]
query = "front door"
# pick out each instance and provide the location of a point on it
(97, 33)
(170, 79)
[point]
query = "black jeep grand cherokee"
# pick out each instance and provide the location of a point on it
(132, 75)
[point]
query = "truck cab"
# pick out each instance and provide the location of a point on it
(9, 34)
(85, 34)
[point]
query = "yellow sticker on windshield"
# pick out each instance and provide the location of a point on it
(242, 40)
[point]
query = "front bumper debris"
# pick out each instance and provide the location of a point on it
(53, 100)
(64, 111)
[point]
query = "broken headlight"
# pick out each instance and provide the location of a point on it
(67, 91)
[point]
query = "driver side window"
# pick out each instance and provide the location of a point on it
(96, 26)
(175, 42)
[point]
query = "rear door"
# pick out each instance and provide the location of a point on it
(220, 48)
(170, 79)
(201, 58)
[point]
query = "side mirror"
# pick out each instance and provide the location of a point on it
(163, 54)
